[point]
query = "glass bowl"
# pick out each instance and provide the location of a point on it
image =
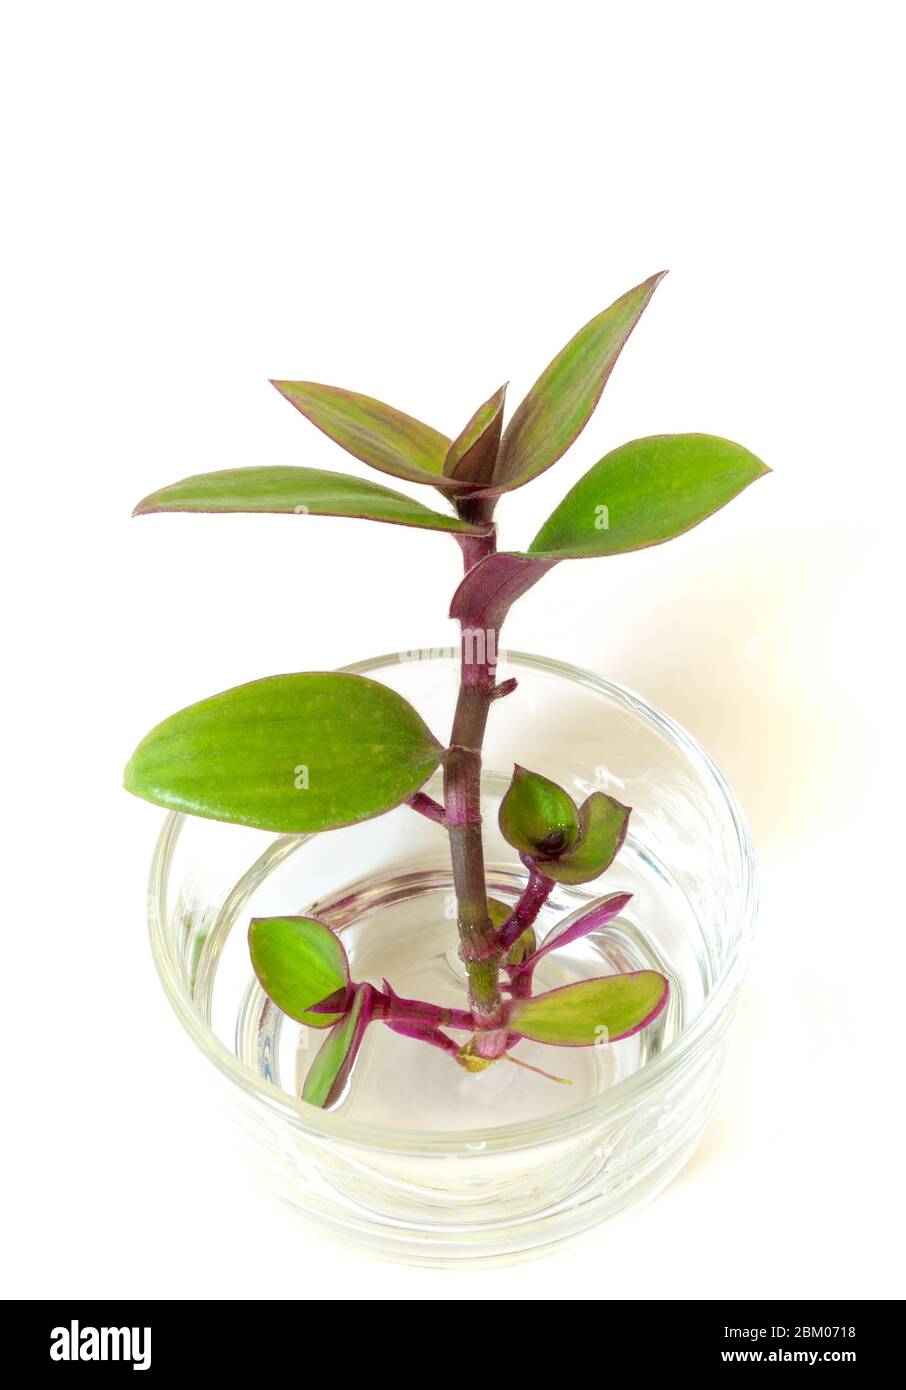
(421, 1161)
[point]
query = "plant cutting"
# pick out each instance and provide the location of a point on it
(316, 751)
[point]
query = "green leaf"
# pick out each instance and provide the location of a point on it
(472, 455)
(591, 1011)
(565, 934)
(522, 948)
(498, 912)
(643, 493)
(291, 753)
(646, 492)
(373, 432)
(603, 822)
(299, 963)
(536, 816)
(330, 1070)
(299, 490)
(562, 400)
(524, 945)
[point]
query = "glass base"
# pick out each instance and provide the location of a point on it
(419, 1160)
(399, 1082)
(399, 923)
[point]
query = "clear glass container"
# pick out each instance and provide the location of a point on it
(421, 1161)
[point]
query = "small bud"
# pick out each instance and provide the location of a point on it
(536, 816)
(482, 1049)
(469, 1062)
(522, 948)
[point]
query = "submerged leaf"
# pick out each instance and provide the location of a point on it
(644, 493)
(330, 1070)
(603, 821)
(524, 945)
(301, 491)
(376, 433)
(299, 962)
(522, 948)
(498, 912)
(291, 753)
(604, 911)
(562, 400)
(591, 1011)
(537, 816)
(472, 455)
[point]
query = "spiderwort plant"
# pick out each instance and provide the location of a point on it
(364, 750)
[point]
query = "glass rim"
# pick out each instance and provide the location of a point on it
(327, 1125)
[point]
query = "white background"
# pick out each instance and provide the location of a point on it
(420, 201)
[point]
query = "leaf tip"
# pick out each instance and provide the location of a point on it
(651, 283)
(660, 1005)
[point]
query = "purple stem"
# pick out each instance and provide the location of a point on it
(593, 920)
(427, 806)
(462, 798)
(337, 1003)
(423, 1032)
(492, 1045)
(393, 1009)
(475, 548)
(534, 896)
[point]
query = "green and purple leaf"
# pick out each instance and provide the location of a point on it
(330, 1070)
(293, 753)
(598, 916)
(537, 816)
(644, 493)
(300, 963)
(377, 434)
(472, 455)
(591, 1011)
(561, 402)
(301, 491)
(603, 822)
(491, 587)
